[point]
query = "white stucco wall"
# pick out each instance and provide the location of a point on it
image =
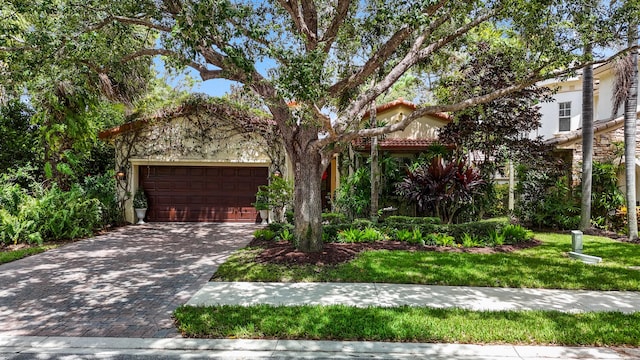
(550, 111)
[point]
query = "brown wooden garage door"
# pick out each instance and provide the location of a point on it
(204, 194)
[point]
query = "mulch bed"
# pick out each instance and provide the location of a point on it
(282, 252)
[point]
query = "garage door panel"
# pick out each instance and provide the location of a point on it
(215, 194)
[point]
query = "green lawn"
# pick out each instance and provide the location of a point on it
(544, 266)
(409, 324)
(13, 255)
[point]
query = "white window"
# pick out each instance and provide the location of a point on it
(564, 116)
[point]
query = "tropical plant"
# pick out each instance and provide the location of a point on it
(353, 196)
(514, 234)
(265, 234)
(442, 188)
(286, 235)
(444, 239)
(403, 235)
(371, 234)
(351, 235)
(496, 238)
(469, 241)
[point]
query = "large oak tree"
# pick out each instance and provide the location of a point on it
(317, 53)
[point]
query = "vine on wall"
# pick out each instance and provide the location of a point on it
(200, 128)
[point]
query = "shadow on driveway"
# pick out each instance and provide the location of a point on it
(122, 284)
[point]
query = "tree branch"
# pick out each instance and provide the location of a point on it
(477, 100)
(298, 16)
(459, 32)
(127, 20)
(381, 56)
(332, 31)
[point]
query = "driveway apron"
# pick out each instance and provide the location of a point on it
(125, 283)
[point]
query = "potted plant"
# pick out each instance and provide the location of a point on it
(140, 205)
(262, 203)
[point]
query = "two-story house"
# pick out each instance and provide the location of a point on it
(562, 121)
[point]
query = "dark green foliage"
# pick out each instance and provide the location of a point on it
(606, 197)
(19, 138)
(330, 232)
(404, 220)
(264, 234)
(361, 223)
(514, 234)
(334, 218)
(480, 230)
(55, 215)
(353, 197)
(441, 188)
(544, 198)
(103, 188)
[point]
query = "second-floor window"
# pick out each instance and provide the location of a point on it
(564, 116)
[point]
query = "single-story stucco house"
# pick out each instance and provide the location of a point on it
(197, 162)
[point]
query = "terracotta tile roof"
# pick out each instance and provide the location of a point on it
(402, 102)
(395, 144)
(598, 126)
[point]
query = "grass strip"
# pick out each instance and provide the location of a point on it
(409, 324)
(545, 266)
(13, 255)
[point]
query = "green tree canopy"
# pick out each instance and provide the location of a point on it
(316, 53)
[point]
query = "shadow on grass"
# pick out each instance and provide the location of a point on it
(409, 324)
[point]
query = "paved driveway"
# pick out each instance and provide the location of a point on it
(125, 283)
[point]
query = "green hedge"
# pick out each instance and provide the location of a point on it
(481, 230)
(423, 230)
(396, 220)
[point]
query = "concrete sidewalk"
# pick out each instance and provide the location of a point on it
(30, 347)
(368, 294)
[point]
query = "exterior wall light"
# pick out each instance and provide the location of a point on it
(121, 175)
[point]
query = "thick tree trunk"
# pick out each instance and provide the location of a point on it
(630, 129)
(587, 144)
(308, 200)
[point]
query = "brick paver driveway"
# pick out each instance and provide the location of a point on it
(125, 283)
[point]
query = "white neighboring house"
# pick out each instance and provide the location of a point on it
(562, 121)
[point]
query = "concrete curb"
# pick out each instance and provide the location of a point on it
(269, 349)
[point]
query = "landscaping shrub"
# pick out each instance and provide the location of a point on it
(353, 196)
(514, 234)
(371, 234)
(496, 238)
(56, 215)
(281, 230)
(441, 188)
(606, 197)
(481, 230)
(264, 234)
(351, 235)
(361, 223)
(103, 187)
(444, 239)
(470, 241)
(286, 235)
(334, 218)
(330, 232)
(396, 220)
(403, 235)
(545, 200)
